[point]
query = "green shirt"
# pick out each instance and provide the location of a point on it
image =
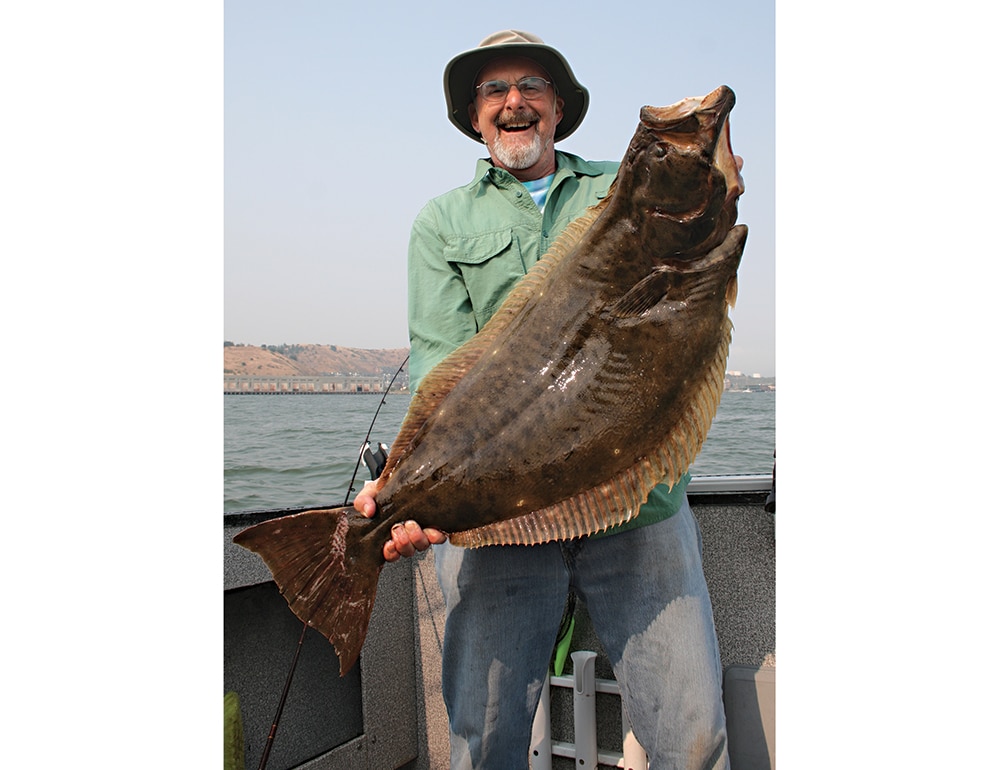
(470, 246)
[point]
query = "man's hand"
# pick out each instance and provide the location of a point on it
(407, 538)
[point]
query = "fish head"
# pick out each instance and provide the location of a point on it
(681, 177)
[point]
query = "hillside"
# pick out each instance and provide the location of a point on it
(319, 360)
(308, 360)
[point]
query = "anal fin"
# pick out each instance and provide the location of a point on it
(594, 510)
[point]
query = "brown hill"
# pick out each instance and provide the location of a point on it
(308, 360)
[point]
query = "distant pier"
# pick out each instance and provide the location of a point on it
(295, 386)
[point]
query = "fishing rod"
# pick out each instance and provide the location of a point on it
(365, 443)
(374, 468)
(281, 703)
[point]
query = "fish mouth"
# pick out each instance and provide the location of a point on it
(692, 114)
(688, 123)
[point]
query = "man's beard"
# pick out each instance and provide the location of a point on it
(519, 156)
(522, 156)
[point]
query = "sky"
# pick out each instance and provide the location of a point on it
(336, 135)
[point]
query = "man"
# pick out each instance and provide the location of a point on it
(642, 582)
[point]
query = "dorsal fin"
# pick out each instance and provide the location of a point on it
(617, 500)
(440, 380)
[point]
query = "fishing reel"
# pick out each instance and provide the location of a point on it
(375, 461)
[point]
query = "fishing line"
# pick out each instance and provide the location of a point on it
(295, 659)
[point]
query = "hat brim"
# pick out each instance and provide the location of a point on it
(461, 70)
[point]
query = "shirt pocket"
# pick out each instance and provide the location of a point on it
(490, 264)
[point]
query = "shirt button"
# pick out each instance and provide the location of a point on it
(517, 193)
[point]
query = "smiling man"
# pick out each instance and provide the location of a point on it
(516, 111)
(642, 582)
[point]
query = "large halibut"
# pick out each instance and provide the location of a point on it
(597, 379)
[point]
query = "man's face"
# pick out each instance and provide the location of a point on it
(518, 132)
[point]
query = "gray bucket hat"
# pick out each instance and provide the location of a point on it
(462, 70)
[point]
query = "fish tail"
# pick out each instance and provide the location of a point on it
(326, 569)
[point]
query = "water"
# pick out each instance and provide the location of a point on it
(742, 436)
(298, 451)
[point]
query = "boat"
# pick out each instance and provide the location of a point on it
(387, 712)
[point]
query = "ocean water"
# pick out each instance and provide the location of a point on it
(297, 451)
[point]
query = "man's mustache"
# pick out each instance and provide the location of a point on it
(521, 116)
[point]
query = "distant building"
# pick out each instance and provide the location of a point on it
(302, 384)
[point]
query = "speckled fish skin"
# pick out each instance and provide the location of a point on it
(576, 386)
(596, 379)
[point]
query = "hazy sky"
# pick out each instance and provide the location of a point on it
(336, 136)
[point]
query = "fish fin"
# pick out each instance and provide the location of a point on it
(323, 569)
(440, 380)
(584, 514)
(617, 500)
(644, 296)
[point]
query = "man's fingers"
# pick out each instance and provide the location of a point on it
(407, 538)
(364, 503)
(435, 536)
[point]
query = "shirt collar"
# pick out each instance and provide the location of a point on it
(566, 165)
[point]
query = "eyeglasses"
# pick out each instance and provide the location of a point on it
(530, 88)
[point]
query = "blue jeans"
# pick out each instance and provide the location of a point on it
(647, 599)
